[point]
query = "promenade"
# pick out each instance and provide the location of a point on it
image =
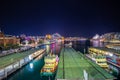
(74, 65)
(12, 62)
(12, 58)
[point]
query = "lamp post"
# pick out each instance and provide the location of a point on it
(84, 50)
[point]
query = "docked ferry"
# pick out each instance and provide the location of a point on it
(51, 63)
(100, 60)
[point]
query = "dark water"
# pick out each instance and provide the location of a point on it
(84, 45)
(81, 46)
(32, 70)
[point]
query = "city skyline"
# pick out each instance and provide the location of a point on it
(78, 18)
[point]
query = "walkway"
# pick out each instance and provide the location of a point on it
(74, 66)
(12, 58)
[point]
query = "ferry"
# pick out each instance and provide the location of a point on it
(51, 63)
(101, 61)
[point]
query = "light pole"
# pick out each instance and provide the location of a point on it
(84, 50)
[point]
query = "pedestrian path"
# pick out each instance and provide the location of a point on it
(74, 65)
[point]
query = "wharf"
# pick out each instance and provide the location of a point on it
(13, 62)
(75, 66)
(12, 58)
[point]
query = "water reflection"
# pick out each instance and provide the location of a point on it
(98, 44)
(80, 46)
(31, 65)
(54, 48)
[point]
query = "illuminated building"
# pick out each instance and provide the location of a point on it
(6, 40)
(48, 36)
(113, 37)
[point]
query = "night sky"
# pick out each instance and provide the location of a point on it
(67, 17)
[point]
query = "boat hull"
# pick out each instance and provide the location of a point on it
(47, 73)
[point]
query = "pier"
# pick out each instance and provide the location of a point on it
(13, 62)
(74, 65)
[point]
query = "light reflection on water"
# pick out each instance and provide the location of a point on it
(31, 65)
(98, 44)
